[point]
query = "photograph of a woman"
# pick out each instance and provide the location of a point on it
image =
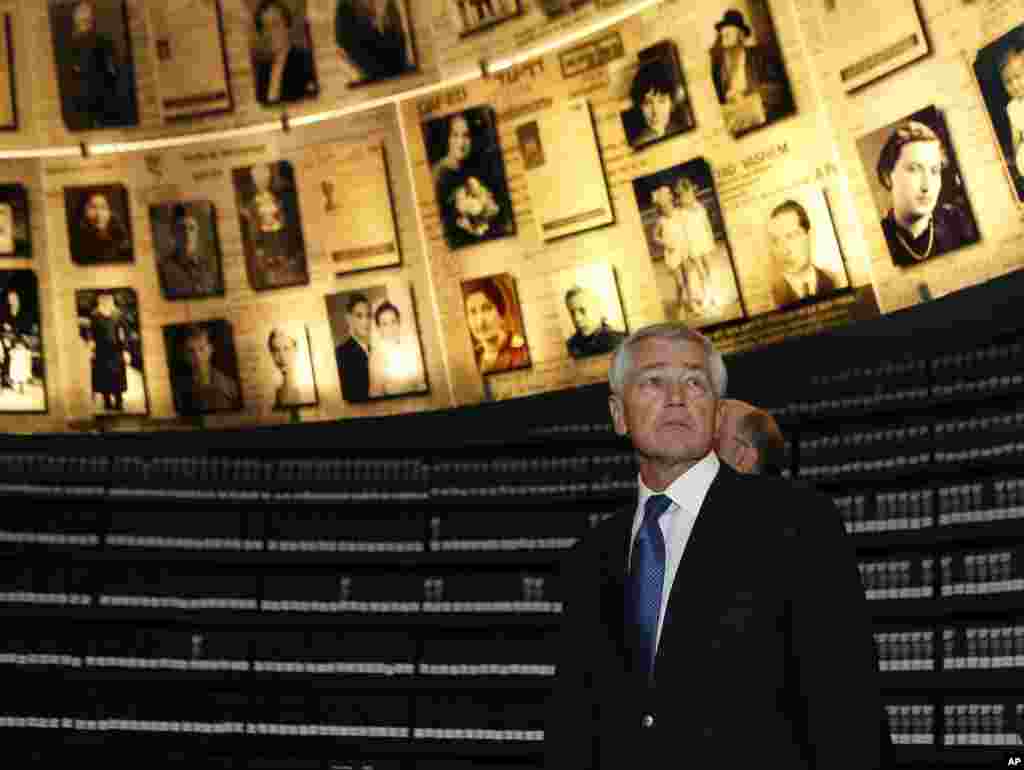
(98, 224)
(495, 324)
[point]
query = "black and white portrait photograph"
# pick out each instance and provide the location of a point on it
(108, 326)
(590, 316)
(294, 381)
(919, 193)
(188, 258)
(687, 242)
(475, 15)
(747, 70)
(95, 70)
(659, 104)
(99, 224)
(375, 38)
(8, 92)
(22, 366)
(282, 52)
(15, 228)
(494, 318)
(377, 343)
(999, 68)
(268, 209)
(203, 365)
(806, 262)
(469, 177)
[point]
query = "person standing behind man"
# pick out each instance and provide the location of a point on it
(353, 355)
(749, 439)
(693, 628)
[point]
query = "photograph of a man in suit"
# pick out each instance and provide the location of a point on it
(285, 72)
(791, 242)
(719, 619)
(353, 355)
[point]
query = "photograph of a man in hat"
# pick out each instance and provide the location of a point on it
(749, 78)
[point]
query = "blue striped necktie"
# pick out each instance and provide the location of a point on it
(645, 583)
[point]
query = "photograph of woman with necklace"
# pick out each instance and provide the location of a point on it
(927, 211)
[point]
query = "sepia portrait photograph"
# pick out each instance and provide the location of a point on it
(999, 68)
(686, 240)
(188, 258)
(95, 71)
(289, 351)
(375, 38)
(282, 52)
(469, 177)
(99, 224)
(747, 70)
(805, 260)
(591, 316)
(564, 174)
(376, 343)
(8, 91)
(348, 207)
(268, 210)
(192, 63)
(15, 229)
(495, 322)
(203, 365)
(555, 8)
(919, 193)
(109, 328)
(475, 15)
(22, 367)
(659, 103)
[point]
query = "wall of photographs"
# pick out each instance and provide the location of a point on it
(757, 168)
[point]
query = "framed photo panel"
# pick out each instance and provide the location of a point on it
(999, 68)
(289, 350)
(8, 92)
(99, 224)
(203, 365)
(686, 239)
(747, 70)
(591, 316)
(348, 207)
(268, 210)
(469, 177)
(192, 63)
(568, 191)
(475, 15)
(95, 71)
(15, 228)
(188, 257)
(376, 38)
(108, 326)
(660, 105)
(494, 320)
(922, 204)
(377, 343)
(22, 363)
(281, 50)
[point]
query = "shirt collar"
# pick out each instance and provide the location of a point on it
(807, 276)
(687, 491)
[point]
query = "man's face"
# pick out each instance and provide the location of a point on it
(82, 19)
(485, 321)
(668, 407)
(105, 304)
(282, 350)
(657, 109)
(789, 243)
(97, 212)
(389, 326)
(459, 140)
(1013, 76)
(585, 314)
(268, 212)
(188, 234)
(730, 36)
(198, 351)
(13, 302)
(916, 180)
(6, 228)
(359, 320)
(275, 27)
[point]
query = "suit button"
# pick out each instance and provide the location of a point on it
(647, 721)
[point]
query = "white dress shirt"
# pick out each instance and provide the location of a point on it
(687, 493)
(808, 279)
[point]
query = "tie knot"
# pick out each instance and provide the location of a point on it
(655, 506)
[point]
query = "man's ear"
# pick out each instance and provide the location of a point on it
(617, 409)
(746, 459)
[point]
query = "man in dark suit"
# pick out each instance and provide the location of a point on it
(353, 355)
(791, 243)
(289, 74)
(749, 438)
(719, 621)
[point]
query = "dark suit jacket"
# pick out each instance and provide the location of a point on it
(783, 293)
(298, 81)
(766, 656)
(354, 368)
(765, 75)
